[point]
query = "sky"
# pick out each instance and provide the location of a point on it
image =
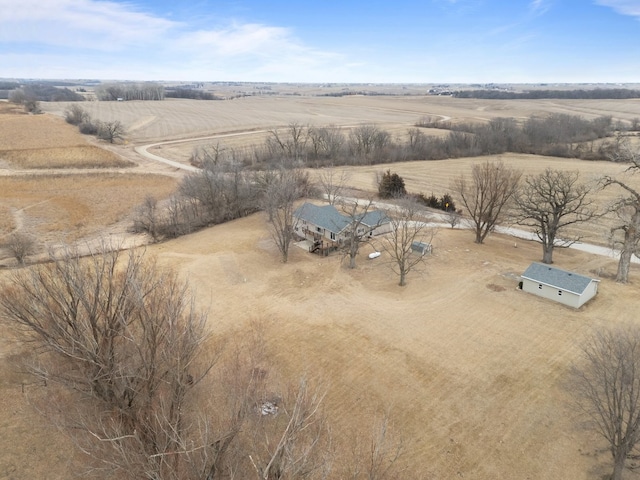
(321, 41)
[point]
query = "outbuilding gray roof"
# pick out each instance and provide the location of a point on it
(557, 278)
(329, 218)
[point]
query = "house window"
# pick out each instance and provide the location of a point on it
(559, 292)
(319, 229)
(540, 286)
(333, 236)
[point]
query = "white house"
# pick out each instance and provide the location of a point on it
(562, 286)
(326, 226)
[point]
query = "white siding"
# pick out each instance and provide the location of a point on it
(561, 296)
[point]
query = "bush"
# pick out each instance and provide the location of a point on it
(391, 185)
(88, 128)
(445, 202)
(76, 115)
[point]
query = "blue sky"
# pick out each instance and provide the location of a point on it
(428, 41)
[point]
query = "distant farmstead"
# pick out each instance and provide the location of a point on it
(327, 229)
(562, 286)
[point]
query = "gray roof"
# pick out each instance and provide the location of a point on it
(329, 218)
(555, 277)
(375, 218)
(326, 217)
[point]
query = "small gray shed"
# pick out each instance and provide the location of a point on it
(565, 287)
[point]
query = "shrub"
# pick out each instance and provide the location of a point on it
(391, 185)
(88, 128)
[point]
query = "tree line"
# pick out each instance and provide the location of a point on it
(191, 93)
(130, 91)
(577, 94)
(559, 135)
(320, 146)
(109, 131)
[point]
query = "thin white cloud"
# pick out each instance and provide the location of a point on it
(108, 39)
(88, 24)
(623, 7)
(539, 7)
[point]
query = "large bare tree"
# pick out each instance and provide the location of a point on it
(290, 143)
(281, 189)
(363, 220)
(627, 210)
(332, 183)
(486, 194)
(606, 385)
(111, 131)
(551, 201)
(120, 338)
(407, 227)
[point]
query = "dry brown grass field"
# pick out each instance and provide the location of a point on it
(46, 141)
(470, 368)
(72, 207)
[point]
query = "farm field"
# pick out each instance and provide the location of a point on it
(172, 119)
(470, 368)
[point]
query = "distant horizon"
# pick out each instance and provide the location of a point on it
(79, 80)
(355, 42)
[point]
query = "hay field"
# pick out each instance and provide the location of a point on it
(46, 141)
(470, 368)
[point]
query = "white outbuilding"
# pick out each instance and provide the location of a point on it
(565, 287)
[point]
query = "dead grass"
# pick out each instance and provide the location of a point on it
(81, 156)
(69, 207)
(47, 141)
(7, 223)
(470, 367)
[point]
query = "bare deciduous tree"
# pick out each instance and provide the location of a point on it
(281, 189)
(111, 131)
(628, 211)
(121, 338)
(367, 140)
(332, 183)
(485, 196)
(381, 459)
(147, 218)
(292, 443)
(607, 387)
(291, 143)
(21, 245)
(363, 220)
(407, 227)
(76, 115)
(326, 142)
(551, 201)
